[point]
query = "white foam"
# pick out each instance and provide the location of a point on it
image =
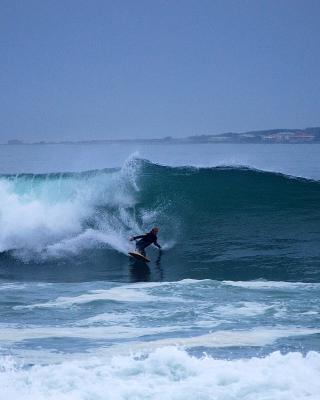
(244, 308)
(47, 216)
(24, 286)
(253, 337)
(88, 239)
(126, 293)
(109, 319)
(115, 332)
(167, 373)
(310, 313)
(12, 286)
(272, 284)
(120, 294)
(182, 282)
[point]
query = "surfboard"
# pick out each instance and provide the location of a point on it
(138, 256)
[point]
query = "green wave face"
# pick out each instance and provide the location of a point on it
(213, 222)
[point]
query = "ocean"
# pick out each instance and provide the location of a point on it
(229, 310)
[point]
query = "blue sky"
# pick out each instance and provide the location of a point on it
(75, 70)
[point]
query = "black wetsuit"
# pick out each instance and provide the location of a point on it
(145, 241)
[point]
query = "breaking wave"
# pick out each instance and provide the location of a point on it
(207, 215)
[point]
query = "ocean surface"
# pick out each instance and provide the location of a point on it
(229, 310)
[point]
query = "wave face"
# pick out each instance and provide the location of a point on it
(222, 223)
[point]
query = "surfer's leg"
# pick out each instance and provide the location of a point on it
(140, 250)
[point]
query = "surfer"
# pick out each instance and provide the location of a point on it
(146, 240)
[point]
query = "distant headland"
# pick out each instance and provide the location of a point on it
(272, 136)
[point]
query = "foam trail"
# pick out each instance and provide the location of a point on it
(86, 240)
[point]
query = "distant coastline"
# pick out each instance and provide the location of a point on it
(271, 136)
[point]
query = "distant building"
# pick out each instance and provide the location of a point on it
(247, 136)
(289, 137)
(303, 137)
(219, 139)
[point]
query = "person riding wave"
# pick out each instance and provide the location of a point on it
(146, 240)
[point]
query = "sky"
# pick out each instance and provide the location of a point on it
(94, 69)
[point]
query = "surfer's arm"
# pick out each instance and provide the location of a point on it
(157, 244)
(137, 237)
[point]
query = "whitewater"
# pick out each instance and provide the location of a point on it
(228, 310)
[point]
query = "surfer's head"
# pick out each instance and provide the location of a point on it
(155, 230)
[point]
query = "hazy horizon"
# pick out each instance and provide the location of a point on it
(145, 138)
(77, 70)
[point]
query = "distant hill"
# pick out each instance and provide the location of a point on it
(307, 135)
